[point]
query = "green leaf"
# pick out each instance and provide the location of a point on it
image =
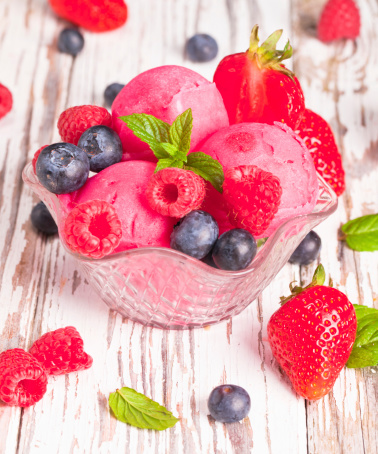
(365, 347)
(169, 148)
(206, 167)
(361, 234)
(149, 129)
(138, 410)
(261, 241)
(163, 164)
(181, 130)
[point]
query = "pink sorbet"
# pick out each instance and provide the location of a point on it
(123, 185)
(274, 148)
(166, 92)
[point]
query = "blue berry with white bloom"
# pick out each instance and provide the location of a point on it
(196, 234)
(234, 250)
(62, 168)
(229, 403)
(111, 92)
(70, 41)
(102, 145)
(201, 48)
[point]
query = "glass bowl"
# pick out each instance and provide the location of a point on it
(165, 288)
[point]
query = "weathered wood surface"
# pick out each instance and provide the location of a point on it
(41, 289)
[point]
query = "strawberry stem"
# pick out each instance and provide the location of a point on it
(318, 279)
(267, 55)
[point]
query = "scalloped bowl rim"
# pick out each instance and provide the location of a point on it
(330, 209)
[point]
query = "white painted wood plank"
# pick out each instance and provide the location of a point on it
(177, 369)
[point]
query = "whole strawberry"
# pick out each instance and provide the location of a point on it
(320, 141)
(61, 351)
(94, 15)
(339, 19)
(257, 87)
(312, 336)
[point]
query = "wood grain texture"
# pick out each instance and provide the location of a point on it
(41, 289)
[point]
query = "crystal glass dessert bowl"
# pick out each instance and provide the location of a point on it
(165, 288)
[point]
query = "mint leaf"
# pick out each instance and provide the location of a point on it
(361, 234)
(261, 241)
(168, 162)
(365, 347)
(138, 410)
(149, 129)
(169, 148)
(206, 167)
(181, 130)
(171, 145)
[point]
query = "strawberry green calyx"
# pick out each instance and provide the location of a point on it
(318, 279)
(267, 55)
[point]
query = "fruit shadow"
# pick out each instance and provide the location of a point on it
(256, 345)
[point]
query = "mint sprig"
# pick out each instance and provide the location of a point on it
(365, 347)
(138, 410)
(171, 145)
(361, 234)
(181, 130)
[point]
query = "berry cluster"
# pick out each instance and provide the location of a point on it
(23, 375)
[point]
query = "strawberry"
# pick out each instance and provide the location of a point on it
(339, 19)
(257, 87)
(320, 141)
(94, 15)
(312, 336)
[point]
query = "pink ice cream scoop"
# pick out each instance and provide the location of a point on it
(123, 185)
(276, 149)
(166, 92)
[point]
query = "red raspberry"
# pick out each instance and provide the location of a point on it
(94, 15)
(75, 120)
(23, 380)
(6, 100)
(35, 157)
(339, 19)
(61, 351)
(253, 196)
(175, 192)
(93, 229)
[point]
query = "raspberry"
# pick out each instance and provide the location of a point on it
(175, 192)
(94, 15)
(253, 196)
(6, 100)
(35, 157)
(93, 229)
(75, 120)
(61, 351)
(339, 19)
(23, 380)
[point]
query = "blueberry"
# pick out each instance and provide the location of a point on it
(196, 234)
(111, 92)
(42, 219)
(308, 250)
(229, 403)
(234, 250)
(62, 168)
(70, 41)
(102, 145)
(201, 48)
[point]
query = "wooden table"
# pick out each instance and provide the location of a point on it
(41, 290)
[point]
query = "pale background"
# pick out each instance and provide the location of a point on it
(41, 290)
